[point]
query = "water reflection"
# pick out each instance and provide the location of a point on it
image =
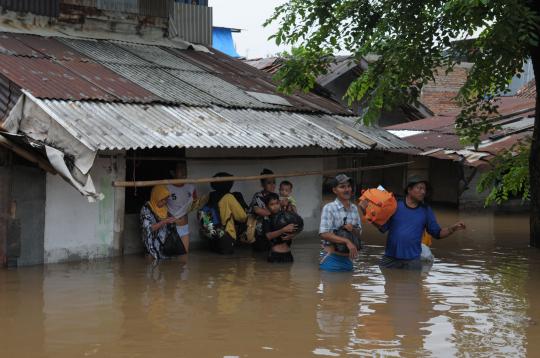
(480, 298)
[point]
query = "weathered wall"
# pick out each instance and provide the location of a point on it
(28, 192)
(439, 94)
(75, 229)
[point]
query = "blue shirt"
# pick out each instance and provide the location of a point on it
(405, 229)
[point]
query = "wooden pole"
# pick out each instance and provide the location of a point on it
(252, 177)
(31, 157)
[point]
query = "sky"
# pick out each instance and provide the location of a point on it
(248, 15)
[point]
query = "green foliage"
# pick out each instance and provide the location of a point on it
(509, 176)
(412, 38)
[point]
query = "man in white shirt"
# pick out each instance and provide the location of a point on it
(179, 203)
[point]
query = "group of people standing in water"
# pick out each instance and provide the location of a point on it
(271, 219)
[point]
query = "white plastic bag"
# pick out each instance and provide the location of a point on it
(426, 254)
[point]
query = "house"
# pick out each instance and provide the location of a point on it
(454, 168)
(84, 108)
(334, 84)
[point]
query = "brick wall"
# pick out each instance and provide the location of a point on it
(438, 95)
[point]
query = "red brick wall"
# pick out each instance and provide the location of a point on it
(438, 95)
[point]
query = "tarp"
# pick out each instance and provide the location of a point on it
(222, 40)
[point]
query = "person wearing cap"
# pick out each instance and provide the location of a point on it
(341, 213)
(406, 227)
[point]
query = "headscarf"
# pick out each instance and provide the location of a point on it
(159, 192)
(220, 189)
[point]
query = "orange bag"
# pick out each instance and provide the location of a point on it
(382, 205)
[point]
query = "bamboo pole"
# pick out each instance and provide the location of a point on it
(26, 155)
(133, 184)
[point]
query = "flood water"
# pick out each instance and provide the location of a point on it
(481, 298)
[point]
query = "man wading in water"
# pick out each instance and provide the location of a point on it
(406, 227)
(339, 214)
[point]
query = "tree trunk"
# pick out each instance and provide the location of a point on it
(534, 160)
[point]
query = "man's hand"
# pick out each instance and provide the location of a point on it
(363, 204)
(353, 251)
(348, 227)
(289, 229)
(460, 225)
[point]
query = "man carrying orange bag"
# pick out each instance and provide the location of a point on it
(406, 225)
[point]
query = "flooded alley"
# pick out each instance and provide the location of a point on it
(480, 299)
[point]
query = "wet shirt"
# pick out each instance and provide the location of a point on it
(405, 229)
(180, 200)
(335, 215)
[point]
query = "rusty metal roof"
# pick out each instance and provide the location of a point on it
(76, 69)
(165, 85)
(528, 90)
(110, 81)
(436, 136)
(45, 79)
(50, 47)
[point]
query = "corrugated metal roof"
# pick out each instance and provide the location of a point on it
(250, 78)
(180, 76)
(49, 8)
(9, 45)
(129, 126)
(50, 47)
(165, 85)
(45, 79)
(221, 90)
(104, 51)
(159, 57)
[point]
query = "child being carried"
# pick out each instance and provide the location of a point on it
(286, 200)
(280, 228)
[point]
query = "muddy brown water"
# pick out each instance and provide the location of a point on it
(481, 298)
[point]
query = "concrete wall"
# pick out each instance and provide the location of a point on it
(75, 229)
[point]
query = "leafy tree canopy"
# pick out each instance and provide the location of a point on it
(412, 39)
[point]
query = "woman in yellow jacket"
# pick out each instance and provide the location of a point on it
(231, 209)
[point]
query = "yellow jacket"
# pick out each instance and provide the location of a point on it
(230, 211)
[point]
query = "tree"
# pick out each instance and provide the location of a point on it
(412, 39)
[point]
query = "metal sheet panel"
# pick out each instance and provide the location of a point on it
(104, 51)
(159, 57)
(109, 81)
(155, 8)
(214, 86)
(129, 126)
(164, 85)
(45, 79)
(129, 6)
(49, 8)
(50, 47)
(193, 23)
(250, 78)
(9, 45)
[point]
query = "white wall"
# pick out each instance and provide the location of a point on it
(307, 190)
(74, 228)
